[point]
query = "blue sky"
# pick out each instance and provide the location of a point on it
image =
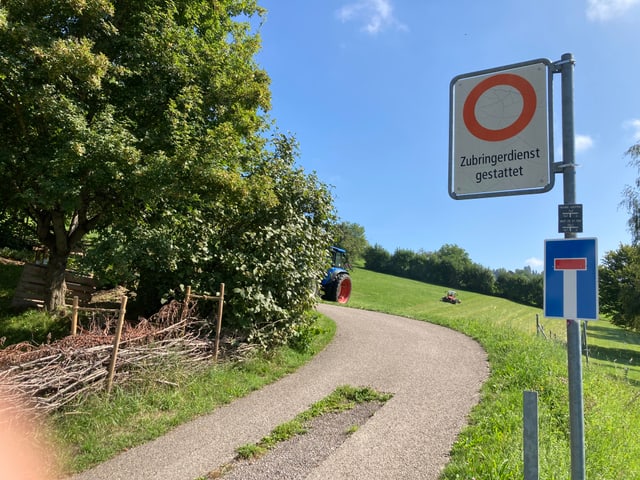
(364, 86)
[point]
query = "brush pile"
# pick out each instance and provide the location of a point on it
(49, 376)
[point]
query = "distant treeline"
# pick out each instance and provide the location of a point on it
(452, 268)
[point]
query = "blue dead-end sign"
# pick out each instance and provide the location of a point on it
(571, 278)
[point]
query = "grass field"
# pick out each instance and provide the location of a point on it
(489, 448)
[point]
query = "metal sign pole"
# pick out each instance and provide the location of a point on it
(574, 344)
(530, 436)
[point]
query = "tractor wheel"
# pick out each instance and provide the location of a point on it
(340, 289)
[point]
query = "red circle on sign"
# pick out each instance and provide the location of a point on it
(528, 107)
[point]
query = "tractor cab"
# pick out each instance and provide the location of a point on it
(336, 285)
(339, 258)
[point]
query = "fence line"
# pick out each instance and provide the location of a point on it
(540, 331)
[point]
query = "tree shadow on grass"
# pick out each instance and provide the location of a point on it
(607, 332)
(622, 353)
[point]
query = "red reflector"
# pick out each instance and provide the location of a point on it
(570, 264)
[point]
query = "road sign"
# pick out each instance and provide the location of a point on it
(570, 218)
(500, 133)
(571, 279)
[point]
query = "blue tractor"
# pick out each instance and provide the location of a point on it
(336, 285)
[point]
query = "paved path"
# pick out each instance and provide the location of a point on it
(434, 373)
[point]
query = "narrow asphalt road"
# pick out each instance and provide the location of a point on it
(434, 374)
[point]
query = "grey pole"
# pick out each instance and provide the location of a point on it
(568, 135)
(530, 435)
(574, 344)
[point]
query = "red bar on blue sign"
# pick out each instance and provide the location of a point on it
(570, 264)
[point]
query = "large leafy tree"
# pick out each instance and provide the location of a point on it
(523, 286)
(619, 285)
(620, 270)
(263, 232)
(351, 237)
(118, 110)
(631, 195)
(451, 261)
(377, 259)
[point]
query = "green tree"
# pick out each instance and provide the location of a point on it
(631, 195)
(351, 237)
(421, 266)
(450, 263)
(522, 286)
(619, 284)
(275, 251)
(377, 259)
(478, 279)
(620, 271)
(117, 110)
(401, 262)
(264, 233)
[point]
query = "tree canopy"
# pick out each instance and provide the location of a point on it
(619, 284)
(351, 237)
(113, 110)
(145, 124)
(264, 234)
(631, 195)
(619, 273)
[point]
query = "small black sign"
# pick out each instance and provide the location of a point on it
(570, 218)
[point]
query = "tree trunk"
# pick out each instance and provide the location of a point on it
(55, 284)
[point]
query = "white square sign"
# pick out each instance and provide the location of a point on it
(500, 131)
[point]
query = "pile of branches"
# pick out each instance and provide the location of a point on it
(49, 376)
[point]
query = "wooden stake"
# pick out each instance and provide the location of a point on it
(116, 343)
(185, 307)
(74, 316)
(219, 322)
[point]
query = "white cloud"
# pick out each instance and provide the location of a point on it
(635, 126)
(583, 143)
(535, 263)
(603, 10)
(376, 15)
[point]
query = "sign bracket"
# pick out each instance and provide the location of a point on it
(557, 66)
(558, 167)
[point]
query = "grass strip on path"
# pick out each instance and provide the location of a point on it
(344, 399)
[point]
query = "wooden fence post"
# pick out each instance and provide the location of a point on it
(219, 322)
(116, 343)
(74, 316)
(185, 305)
(185, 308)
